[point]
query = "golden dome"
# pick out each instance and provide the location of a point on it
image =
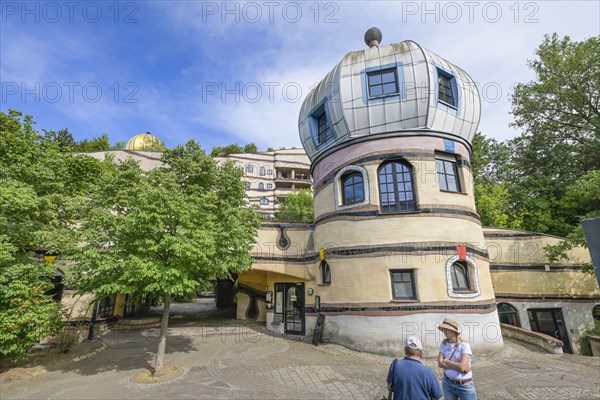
(145, 142)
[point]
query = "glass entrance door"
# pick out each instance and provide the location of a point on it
(294, 308)
(550, 321)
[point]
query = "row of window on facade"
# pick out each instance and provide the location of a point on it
(262, 171)
(384, 83)
(396, 185)
(261, 186)
(404, 286)
(508, 314)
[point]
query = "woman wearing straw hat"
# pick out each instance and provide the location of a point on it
(455, 358)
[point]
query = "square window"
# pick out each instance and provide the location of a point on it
(446, 88)
(447, 173)
(383, 82)
(403, 284)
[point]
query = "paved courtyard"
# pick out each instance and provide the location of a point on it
(214, 357)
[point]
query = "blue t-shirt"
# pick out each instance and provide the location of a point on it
(413, 380)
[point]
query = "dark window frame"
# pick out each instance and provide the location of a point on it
(446, 86)
(344, 181)
(324, 132)
(261, 186)
(325, 273)
(106, 306)
(441, 168)
(596, 312)
(264, 201)
(508, 312)
(249, 168)
(413, 284)
(467, 268)
(397, 205)
(380, 87)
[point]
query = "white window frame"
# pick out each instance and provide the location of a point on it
(337, 188)
(475, 289)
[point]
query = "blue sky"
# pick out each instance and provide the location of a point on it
(237, 72)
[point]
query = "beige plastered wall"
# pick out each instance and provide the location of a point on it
(529, 250)
(266, 242)
(427, 190)
(77, 306)
(367, 279)
(406, 228)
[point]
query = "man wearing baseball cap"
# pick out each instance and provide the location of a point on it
(409, 379)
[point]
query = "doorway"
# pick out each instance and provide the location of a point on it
(292, 302)
(550, 321)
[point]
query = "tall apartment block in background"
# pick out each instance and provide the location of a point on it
(271, 176)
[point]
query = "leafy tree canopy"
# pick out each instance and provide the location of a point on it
(489, 168)
(297, 207)
(166, 231)
(250, 148)
(98, 143)
(40, 181)
(220, 151)
(559, 113)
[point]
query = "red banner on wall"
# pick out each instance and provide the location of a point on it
(462, 252)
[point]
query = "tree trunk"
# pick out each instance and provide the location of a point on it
(162, 342)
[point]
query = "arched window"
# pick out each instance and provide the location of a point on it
(508, 314)
(396, 187)
(596, 313)
(264, 201)
(261, 186)
(460, 276)
(352, 188)
(325, 272)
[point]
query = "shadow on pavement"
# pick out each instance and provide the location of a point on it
(126, 350)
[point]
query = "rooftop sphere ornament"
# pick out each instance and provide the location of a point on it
(373, 37)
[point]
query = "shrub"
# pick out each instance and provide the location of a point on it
(584, 339)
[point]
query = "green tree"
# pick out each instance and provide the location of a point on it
(561, 140)
(97, 143)
(297, 207)
(489, 164)
(165, 232)
(219, 151)
(40, 180)
(582, 199)
(118, 146)
(63, 139)
(250, 148)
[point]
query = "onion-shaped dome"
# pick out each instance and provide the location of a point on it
(145, 142)
(395, 90)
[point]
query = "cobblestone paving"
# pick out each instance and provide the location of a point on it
(236, 361)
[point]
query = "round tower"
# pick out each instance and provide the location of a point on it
(388, 132)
